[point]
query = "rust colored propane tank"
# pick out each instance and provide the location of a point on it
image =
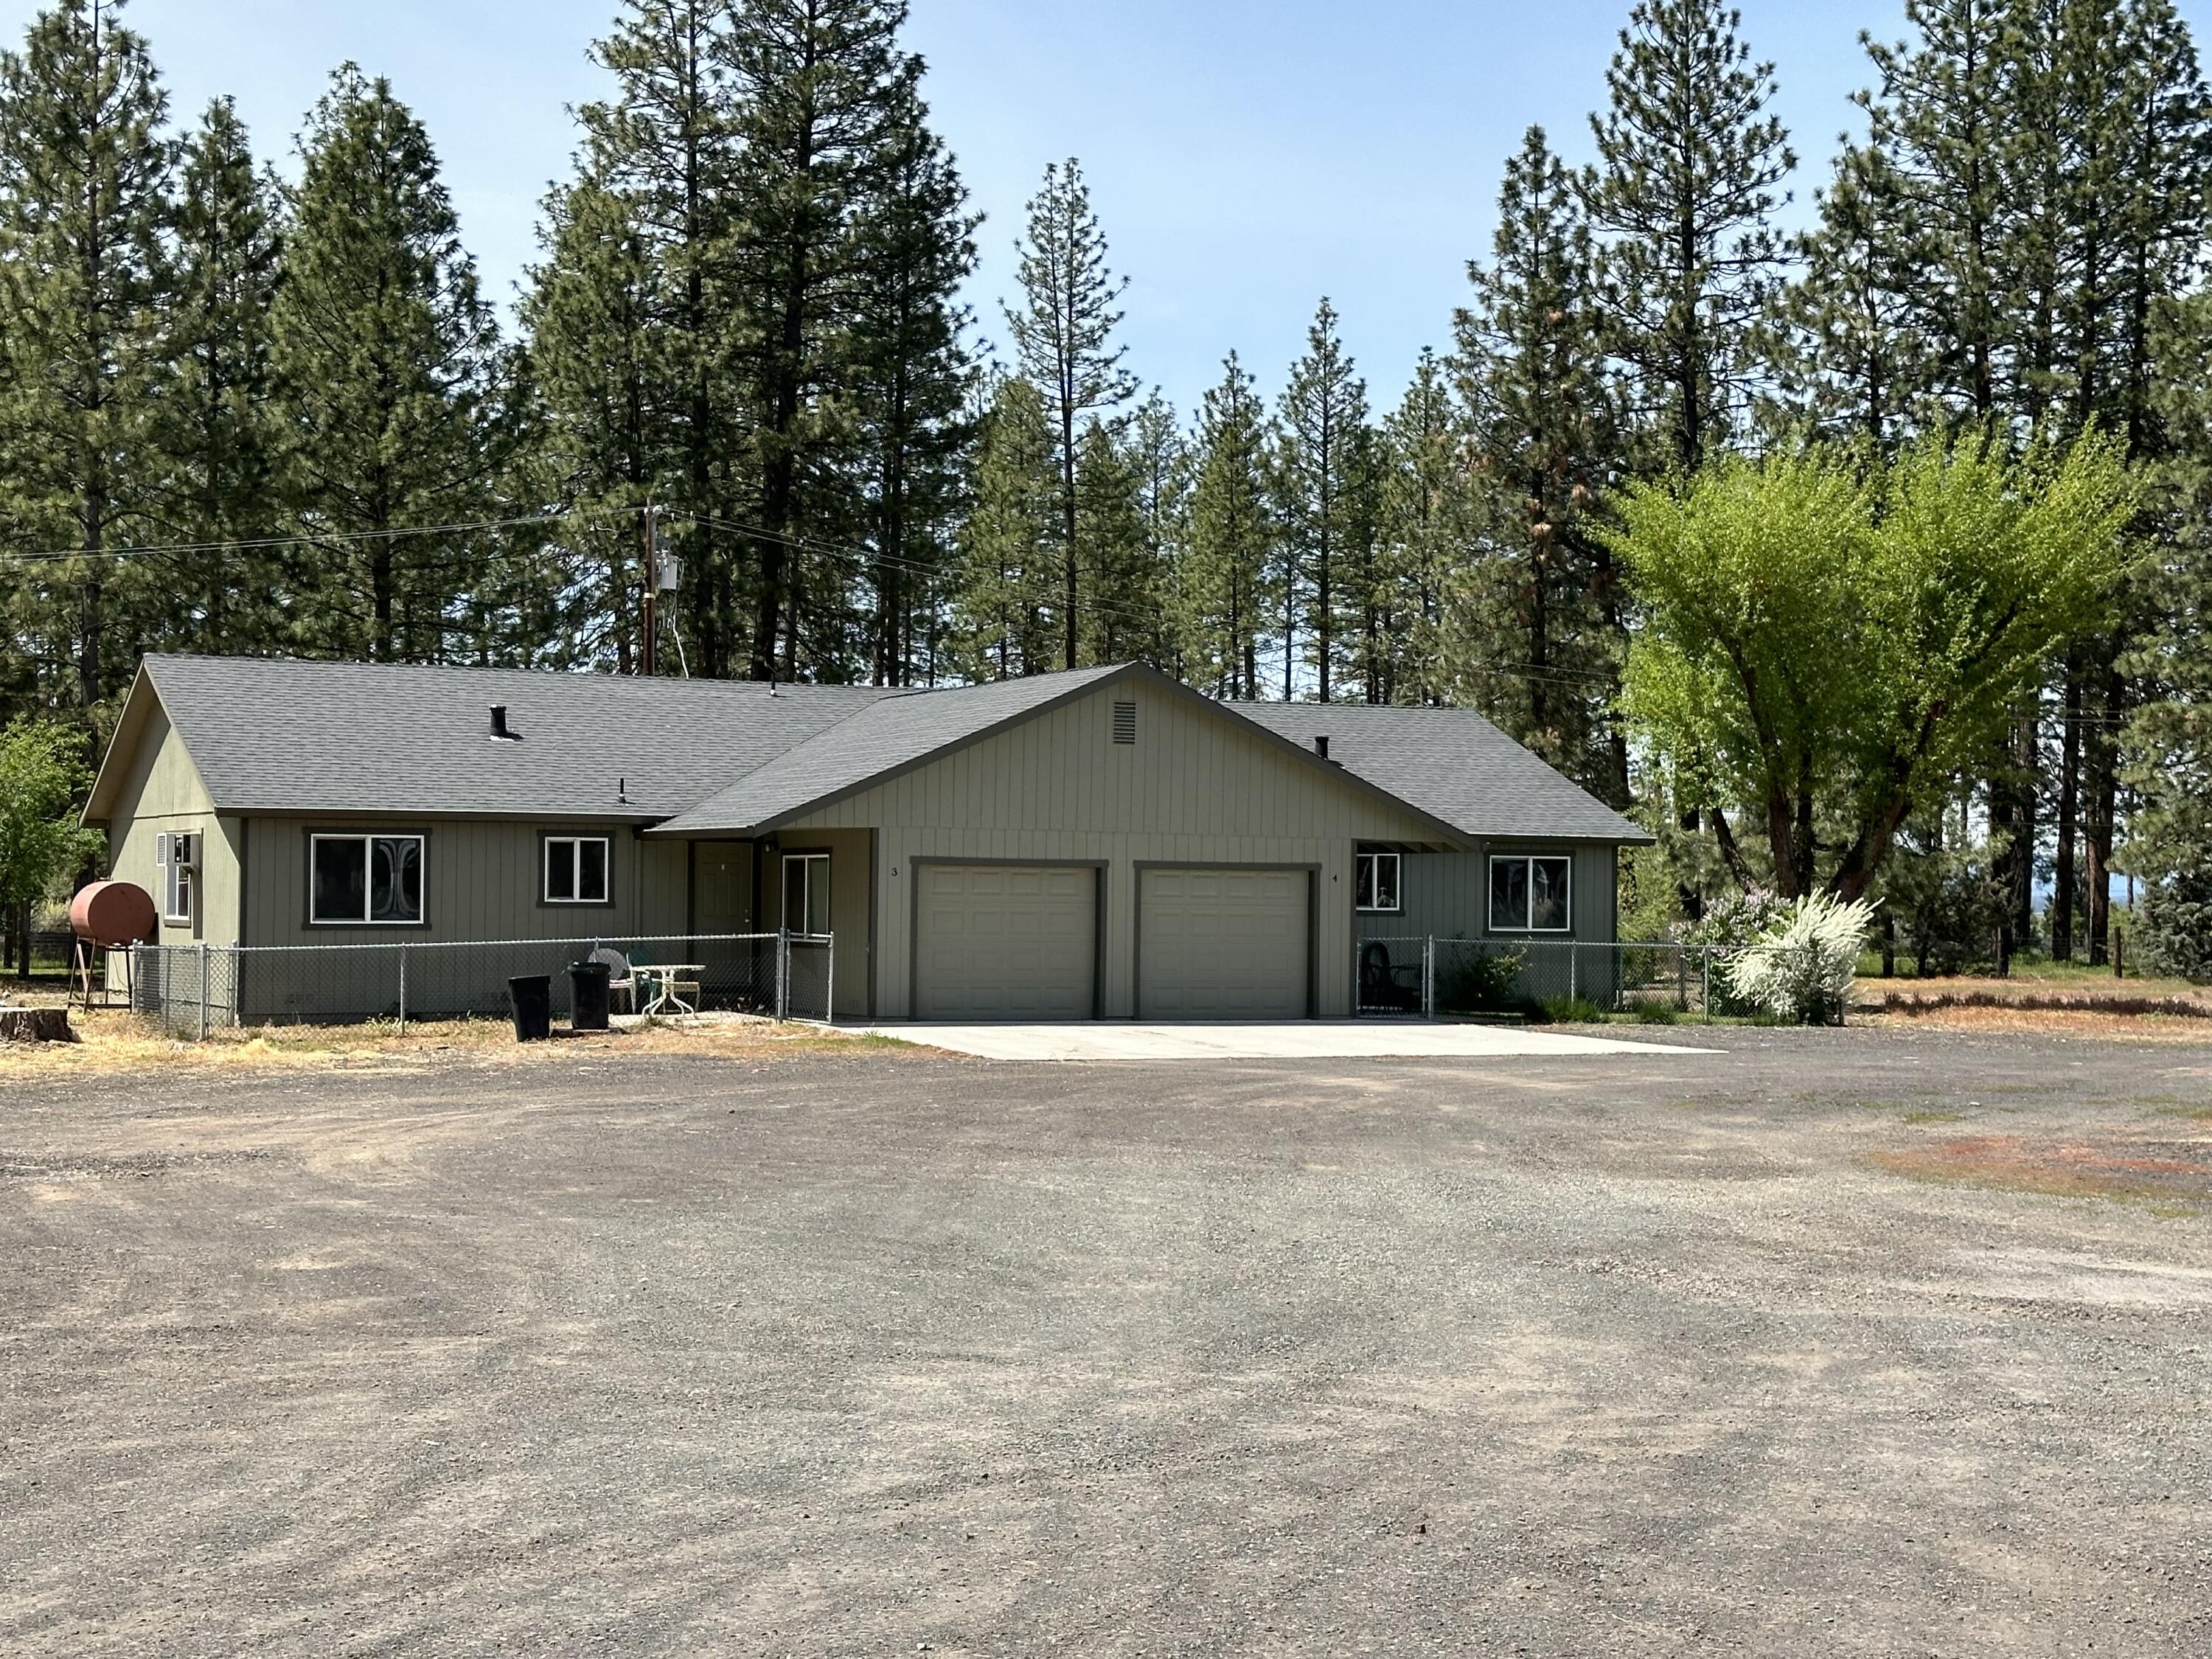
(112, 914)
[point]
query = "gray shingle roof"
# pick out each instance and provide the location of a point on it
(1453, 764)
(278, 736)
(886, 737)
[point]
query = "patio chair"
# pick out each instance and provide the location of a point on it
(621, 982)
(1383, 986)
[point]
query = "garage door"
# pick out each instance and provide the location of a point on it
(1000, 941)
(1222, 944)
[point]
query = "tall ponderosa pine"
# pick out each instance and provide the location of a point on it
(215, 427)
(610, 438)
(86, 170)
(1321, 476)
(389, 375)
(1063, 330)
(913, 378)
(1421, 536)
(1689, 164)
(1852, 360)
(817, 85)
(1224, 580)
(1002, 610)
(1125, 616)
(663, 151)
(1539, 645)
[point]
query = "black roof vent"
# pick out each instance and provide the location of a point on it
(1321, 746)
(499, 731)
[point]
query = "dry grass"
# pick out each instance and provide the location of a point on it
(2083, 1022)
(113, 1042)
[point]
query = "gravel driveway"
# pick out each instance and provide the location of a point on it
(1839, 1343)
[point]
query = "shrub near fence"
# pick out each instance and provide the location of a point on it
(1479, 976)
(195, 988)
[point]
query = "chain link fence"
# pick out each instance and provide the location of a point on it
(194, 989)
(1425, 977)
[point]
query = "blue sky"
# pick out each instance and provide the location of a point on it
(1245, 158)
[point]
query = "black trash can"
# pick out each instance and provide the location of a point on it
(587, 996)
(530, 996)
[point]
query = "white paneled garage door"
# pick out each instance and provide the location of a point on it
(1007, 941)
(1222, 944)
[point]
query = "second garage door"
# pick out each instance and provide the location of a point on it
(1222, 944)
(1007, 941)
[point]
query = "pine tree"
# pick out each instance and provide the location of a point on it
(1421, 535)
(819, 87)
(665, 148)
(1689, 164)
(1538, 647)
(1125, 619)
(1063, 332)
(913, 380)
(1851, 360)
(389, 373)
(1224, 577)
(1002, 607)
(592, 312)
(1320, 478)
(1938, 122)
(213, 424)
(83, 208)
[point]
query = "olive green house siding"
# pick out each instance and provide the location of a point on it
(1193, 789)
(1239, 824)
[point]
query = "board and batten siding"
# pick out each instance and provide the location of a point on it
(1196, 787)
(1447, 895)
(482, 879)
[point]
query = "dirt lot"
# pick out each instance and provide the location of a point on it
(1882, 1342)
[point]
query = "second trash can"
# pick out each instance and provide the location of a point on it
(530, 996)
(587, 996)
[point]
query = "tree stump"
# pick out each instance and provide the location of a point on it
(36, 1026)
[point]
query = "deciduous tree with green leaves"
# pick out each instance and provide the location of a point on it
(43, 779)
(1821, 649)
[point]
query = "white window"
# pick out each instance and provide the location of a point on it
(1528, 893)
(576, 870)
(806, 892)
(177, 857)
(1374, 882)
(372, 880)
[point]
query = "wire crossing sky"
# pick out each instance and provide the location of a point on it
(1245, 156)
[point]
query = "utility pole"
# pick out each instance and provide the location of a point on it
(647, 653)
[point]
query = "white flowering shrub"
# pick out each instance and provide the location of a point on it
(1803, 967)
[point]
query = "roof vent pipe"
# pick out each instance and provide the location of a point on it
(1321, 747)
(499, 731)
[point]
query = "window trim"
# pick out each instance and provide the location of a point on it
(783, 888)
(421, 837)
(178, 886)
(1397, 907)
(575, 841)
(1490, 893)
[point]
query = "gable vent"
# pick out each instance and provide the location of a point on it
(1125, 722)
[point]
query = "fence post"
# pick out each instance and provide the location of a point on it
(1708, 991)
(203, 989)
(1429, 977)
(1682, 978)
(783, 973)
(1574, 965)
(402, 988)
